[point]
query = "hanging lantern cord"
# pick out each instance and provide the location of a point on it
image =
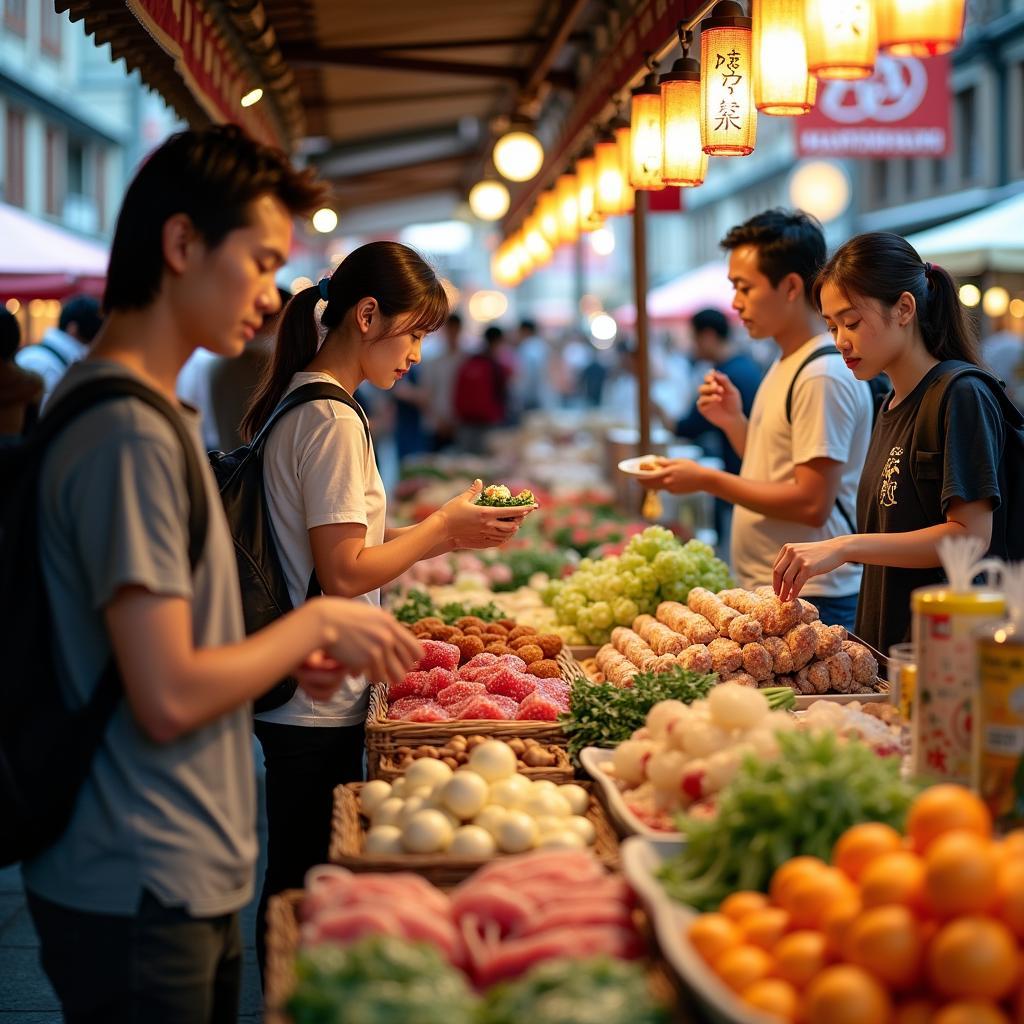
(685, 38)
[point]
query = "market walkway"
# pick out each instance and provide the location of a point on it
(25, 994)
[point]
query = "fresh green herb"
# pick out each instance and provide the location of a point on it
(602, 715)
(799, 803)
(381, 980)
(418, 605)
(454, 611)
(566, 991)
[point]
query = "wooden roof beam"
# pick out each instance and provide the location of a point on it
(344, 56)
(541, 68)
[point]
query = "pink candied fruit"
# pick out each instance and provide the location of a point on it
(437, 654)
(411, 686)
(431, 712)
(485, 707)
(437, 679)
(400, 708)
(537, 708)
(511, 684)
(513, 661)
(455, 694)
(482, 659)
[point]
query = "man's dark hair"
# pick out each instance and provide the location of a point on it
(530, 326)
(212, 176)
(492, 335)
(10, 334)
(454, 321)
(711, 320)
(84, 312)
(787, 242)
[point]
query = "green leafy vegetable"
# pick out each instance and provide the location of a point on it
(799, 803)
(418, 605)
(380, 980)
(602, 715)
(595, 991)
(499, 496)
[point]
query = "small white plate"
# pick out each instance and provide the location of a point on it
(595, 760)
(631, 467)
(641, 860)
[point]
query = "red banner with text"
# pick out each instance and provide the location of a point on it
(902, 110)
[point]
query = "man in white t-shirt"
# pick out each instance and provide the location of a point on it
(804, 445)
(67, 343)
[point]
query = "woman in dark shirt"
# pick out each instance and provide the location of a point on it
(891, 313)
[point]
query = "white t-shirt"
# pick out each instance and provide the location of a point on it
(318, 469)
(832, 414)
(51, 359)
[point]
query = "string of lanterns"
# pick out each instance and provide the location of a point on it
(768, 63)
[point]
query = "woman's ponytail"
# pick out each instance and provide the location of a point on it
(882, 266)
(947, 331)
(298, 338)
(404, 285)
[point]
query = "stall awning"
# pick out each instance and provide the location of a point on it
(991, 239)
(43, 261)
(705, 287)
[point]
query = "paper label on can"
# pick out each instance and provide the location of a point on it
(997, 772)
(947, 676)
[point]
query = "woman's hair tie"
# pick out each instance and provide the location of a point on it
(325, 283)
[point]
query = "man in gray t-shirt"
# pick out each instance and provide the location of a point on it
(136, 903)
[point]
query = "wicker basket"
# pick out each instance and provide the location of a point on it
(386, 767)
(384, 736)
(348, 834)
(283, 945)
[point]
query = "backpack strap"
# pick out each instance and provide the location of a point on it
(315, 391)
(56, 353)
(931, 416)
(818, 353)
(61, 413)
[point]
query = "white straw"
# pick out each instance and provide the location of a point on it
(960, 558)
(1012, 579)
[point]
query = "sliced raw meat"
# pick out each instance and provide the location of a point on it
(576, 913)
(400, 887)
(515, 957)
(569, 867)
(420, 924)
(438, 654)
(511, 684)
(437, 679)
(493, 902)
(429, 712)
(459, 692)
(402, 707)
(347, 924)
(537, 708)
(484, 707)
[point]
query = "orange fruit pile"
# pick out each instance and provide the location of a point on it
(926, 928)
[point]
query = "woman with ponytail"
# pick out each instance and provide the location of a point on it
(934, 466)
(328, 510)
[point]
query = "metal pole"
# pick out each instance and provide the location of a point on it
(643, 365)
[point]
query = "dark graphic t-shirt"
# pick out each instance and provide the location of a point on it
(888, 501)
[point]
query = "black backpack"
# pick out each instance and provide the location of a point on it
(240, 477)
(46, 748)
(880, 390)
(928, 437)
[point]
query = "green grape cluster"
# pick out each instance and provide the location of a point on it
(613, 591)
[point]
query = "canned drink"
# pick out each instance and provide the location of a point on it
(946, 625)
(999, 737)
